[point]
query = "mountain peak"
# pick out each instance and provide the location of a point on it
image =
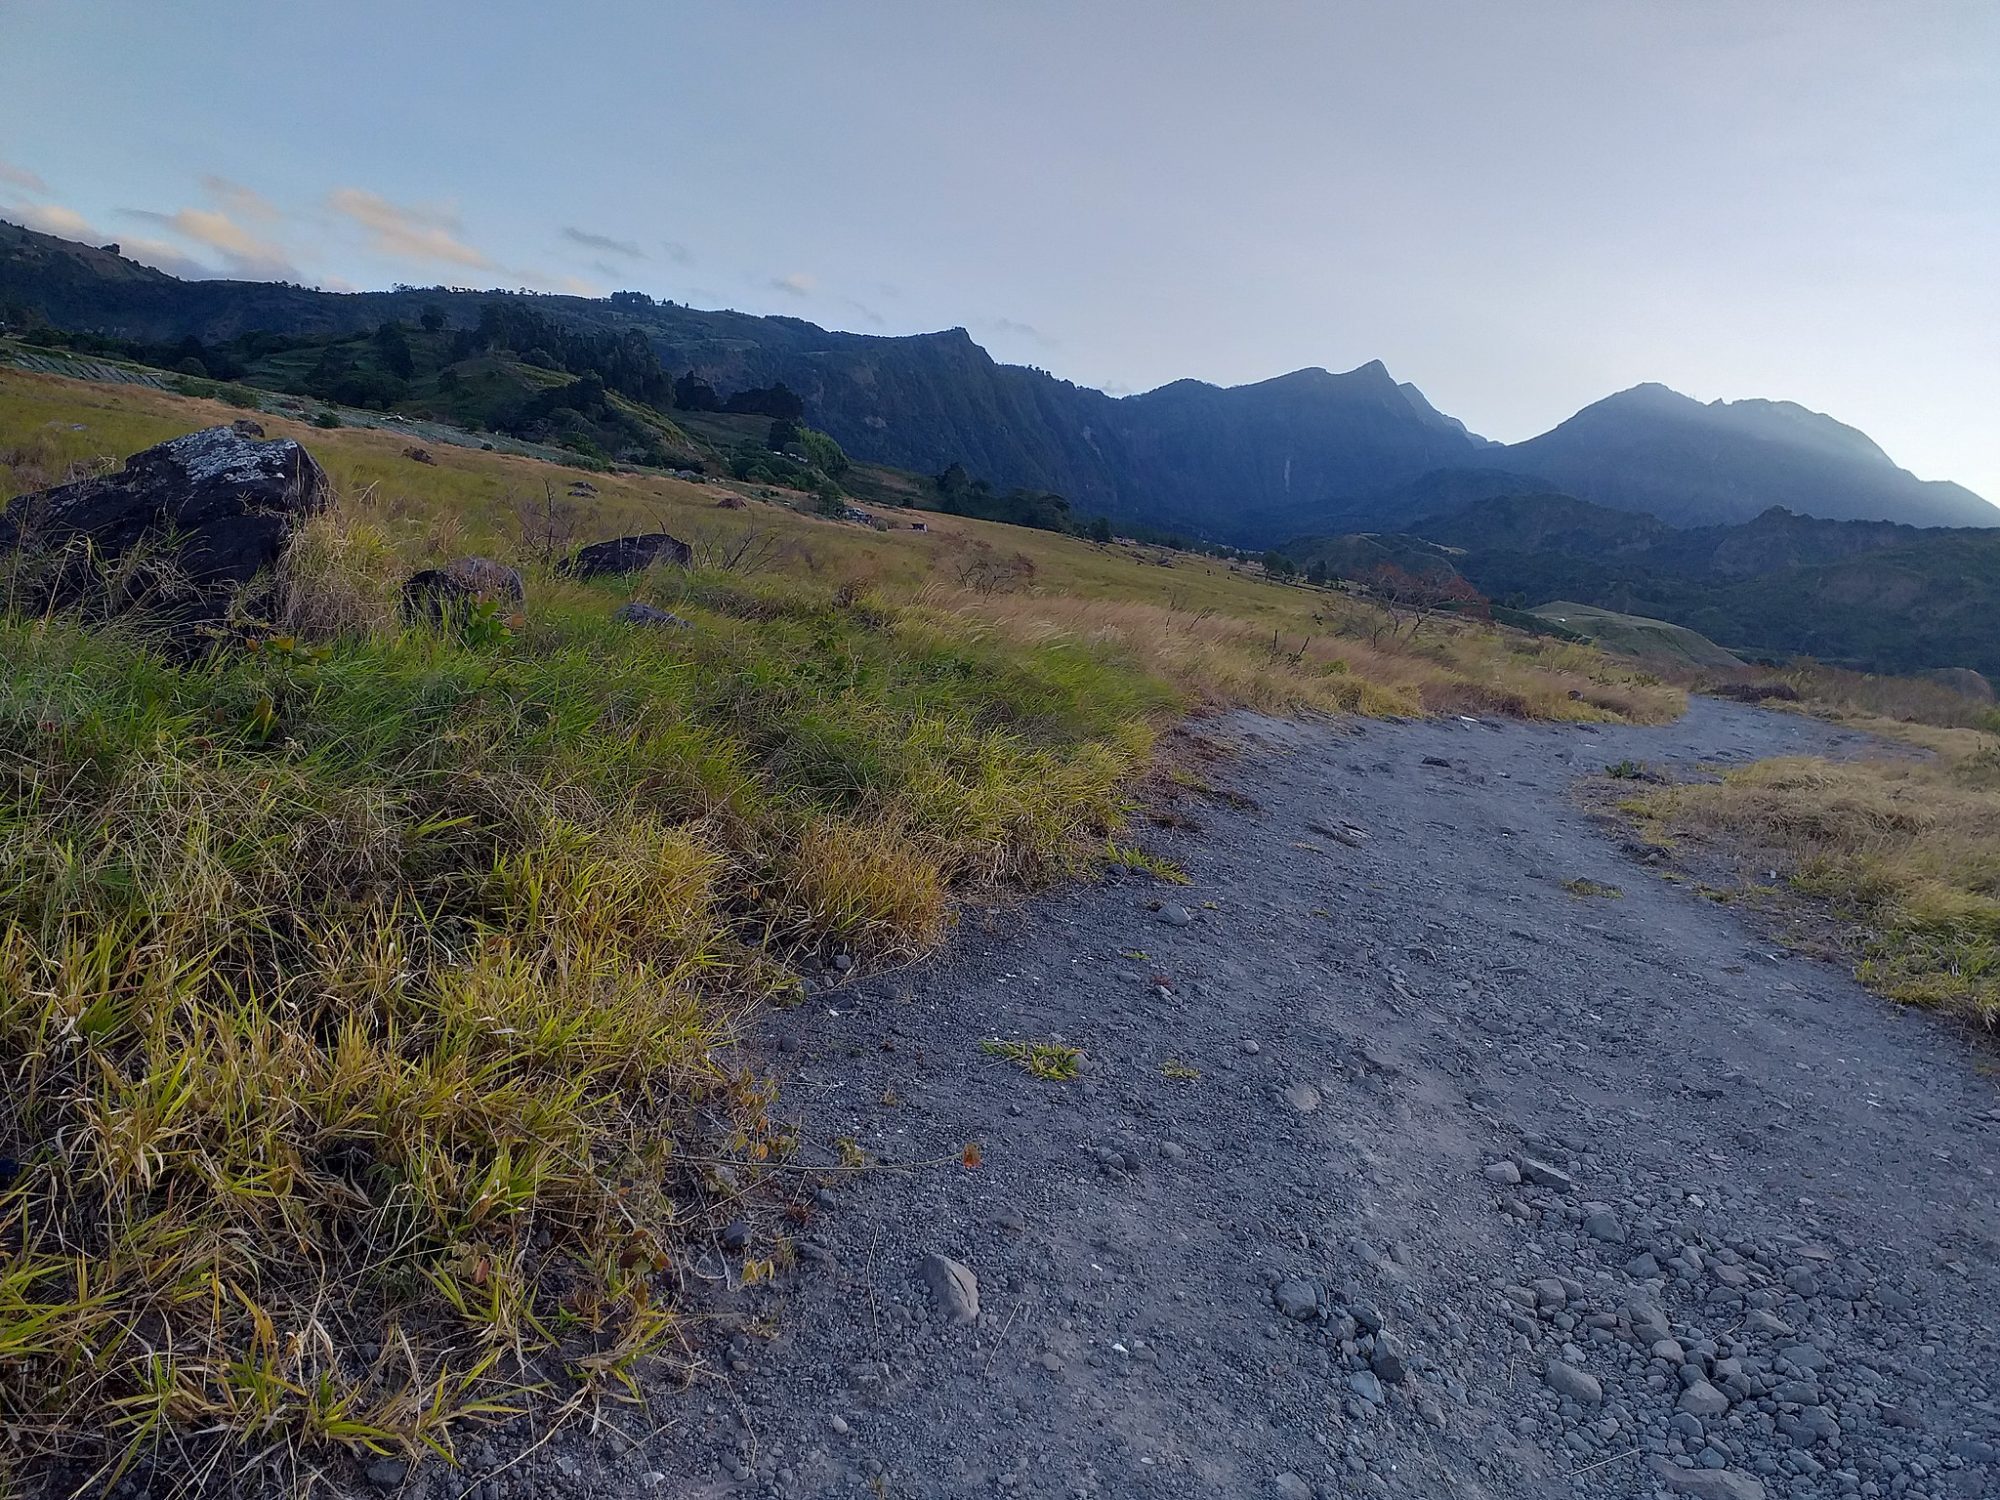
(1695, 463)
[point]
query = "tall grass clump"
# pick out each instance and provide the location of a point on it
(1902, 852)
(364, 1005)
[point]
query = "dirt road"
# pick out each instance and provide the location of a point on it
(1396, 1169)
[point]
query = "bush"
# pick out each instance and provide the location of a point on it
(327, 419)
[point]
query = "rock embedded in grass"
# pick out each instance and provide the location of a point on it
(636, 613)
(627, 554)
(200, 518)
(490, 581)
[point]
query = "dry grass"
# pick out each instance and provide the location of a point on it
(1903, 852)
(1337, 662)
(1838, 693)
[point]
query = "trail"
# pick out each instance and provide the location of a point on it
(1757, 1233)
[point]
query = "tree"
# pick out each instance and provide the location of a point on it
(1412, 596)
(692, 393)
(953, 481)
(826, 455)
(783, 434)
(1279, 566)
(775, 400)
(432, 317)
(392, 347)
(1100, 529)
(1316, 573)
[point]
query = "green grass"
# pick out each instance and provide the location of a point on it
(1657, 641)
(1593, 889)
(1894, 856)
(1050, 1060)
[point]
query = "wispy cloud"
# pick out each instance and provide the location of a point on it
(678, 253)
(863, 311)
(21, 177)
(1015, 328)
(244, 253)
(53, 218)
(408, 232)
(235, 198)
(591, 241)
(162, 256)
(795, 284)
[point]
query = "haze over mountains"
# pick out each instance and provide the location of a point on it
(1310, 451)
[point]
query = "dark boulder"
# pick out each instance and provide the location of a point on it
(627, 554)
(434, 597)
(489, 580)
(418, 456)
(245, 427)
(449, 595)
(636, 613)
(182, 529)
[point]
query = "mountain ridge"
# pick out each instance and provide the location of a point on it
(1249, 464)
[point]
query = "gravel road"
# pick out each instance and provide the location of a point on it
(1483, 1188)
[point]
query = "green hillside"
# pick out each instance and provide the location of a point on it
(1635, 635)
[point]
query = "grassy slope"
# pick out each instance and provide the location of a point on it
(1656, 641)
(490, 908)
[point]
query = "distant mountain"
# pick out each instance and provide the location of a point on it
(1237, 460)
(1654, 450)
(1307, 452)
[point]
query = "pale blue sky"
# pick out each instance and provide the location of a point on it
(1519, 206)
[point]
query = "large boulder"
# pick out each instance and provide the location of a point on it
(449, 595)
(627, 554)
(489, 581)
(182, 529)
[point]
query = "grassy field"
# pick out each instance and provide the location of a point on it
(367, 996)
(1895, 856)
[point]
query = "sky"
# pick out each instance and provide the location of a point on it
(1521, 207)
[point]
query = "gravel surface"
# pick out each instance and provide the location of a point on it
(1392, 1168)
